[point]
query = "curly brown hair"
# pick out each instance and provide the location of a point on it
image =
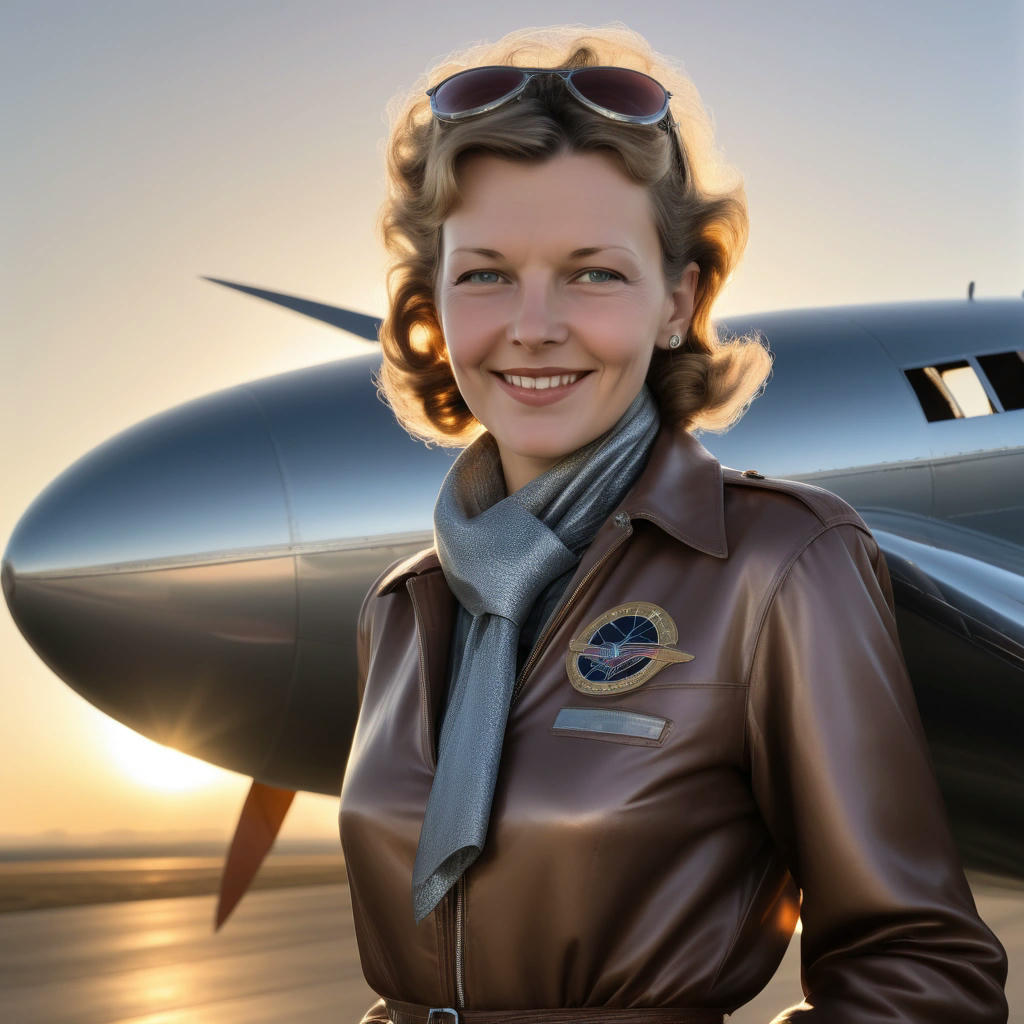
(700, 214)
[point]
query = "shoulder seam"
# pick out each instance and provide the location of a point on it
(364, 626)
(780, 577)
(828, 507)
(397, 571)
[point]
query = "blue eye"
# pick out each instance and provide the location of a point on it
(612, 276)
(475, 273)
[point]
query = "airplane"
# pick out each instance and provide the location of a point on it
(198, 576)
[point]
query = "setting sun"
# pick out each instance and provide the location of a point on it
(154, 765)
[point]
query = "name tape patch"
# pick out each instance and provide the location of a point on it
(612, 721)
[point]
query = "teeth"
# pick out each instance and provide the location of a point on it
(542, 383)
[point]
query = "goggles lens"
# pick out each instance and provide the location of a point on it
(622, 91)
(618, 91)
(478, 87)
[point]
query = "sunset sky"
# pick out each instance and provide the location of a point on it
(146, 144)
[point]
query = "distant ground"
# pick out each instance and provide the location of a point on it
(59, 880)
(56, 845)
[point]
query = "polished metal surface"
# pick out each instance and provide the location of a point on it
(839, 411)
(198, 576)
(960, 612)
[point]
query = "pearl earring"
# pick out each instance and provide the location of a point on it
(675, 341)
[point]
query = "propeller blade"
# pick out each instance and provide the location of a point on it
(359, 324)
(263, 813)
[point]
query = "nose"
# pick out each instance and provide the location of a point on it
(538, 318)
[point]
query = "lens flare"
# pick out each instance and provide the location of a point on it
(155, 765)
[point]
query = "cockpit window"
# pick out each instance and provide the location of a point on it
(1005, 371)
(949, 391)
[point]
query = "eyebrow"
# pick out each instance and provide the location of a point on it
(576, 253)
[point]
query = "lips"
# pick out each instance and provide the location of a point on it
(541, 383)
(541, 386)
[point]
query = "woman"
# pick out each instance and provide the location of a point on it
(632, 702)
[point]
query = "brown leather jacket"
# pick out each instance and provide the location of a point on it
(657, 858)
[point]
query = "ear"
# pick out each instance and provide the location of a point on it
(679, 306)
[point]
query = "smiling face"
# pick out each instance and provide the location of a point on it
(552, 299)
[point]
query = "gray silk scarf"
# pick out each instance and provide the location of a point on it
(498, 554)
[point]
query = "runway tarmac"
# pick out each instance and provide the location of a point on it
(287, 956)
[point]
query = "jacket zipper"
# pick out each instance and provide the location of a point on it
(460, 885)
(460, 910)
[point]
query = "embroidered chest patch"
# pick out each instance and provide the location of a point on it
(621, 649)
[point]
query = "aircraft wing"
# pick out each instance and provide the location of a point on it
(960, 611)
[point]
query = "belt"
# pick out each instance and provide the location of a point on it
(411, 1013)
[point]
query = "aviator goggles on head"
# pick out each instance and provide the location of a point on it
(617, 93)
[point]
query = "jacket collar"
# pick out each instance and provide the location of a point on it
(680, 490)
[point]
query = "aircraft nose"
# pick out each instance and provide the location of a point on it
(154, 576)
(198, 576)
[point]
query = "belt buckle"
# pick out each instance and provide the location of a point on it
(440, 1011)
